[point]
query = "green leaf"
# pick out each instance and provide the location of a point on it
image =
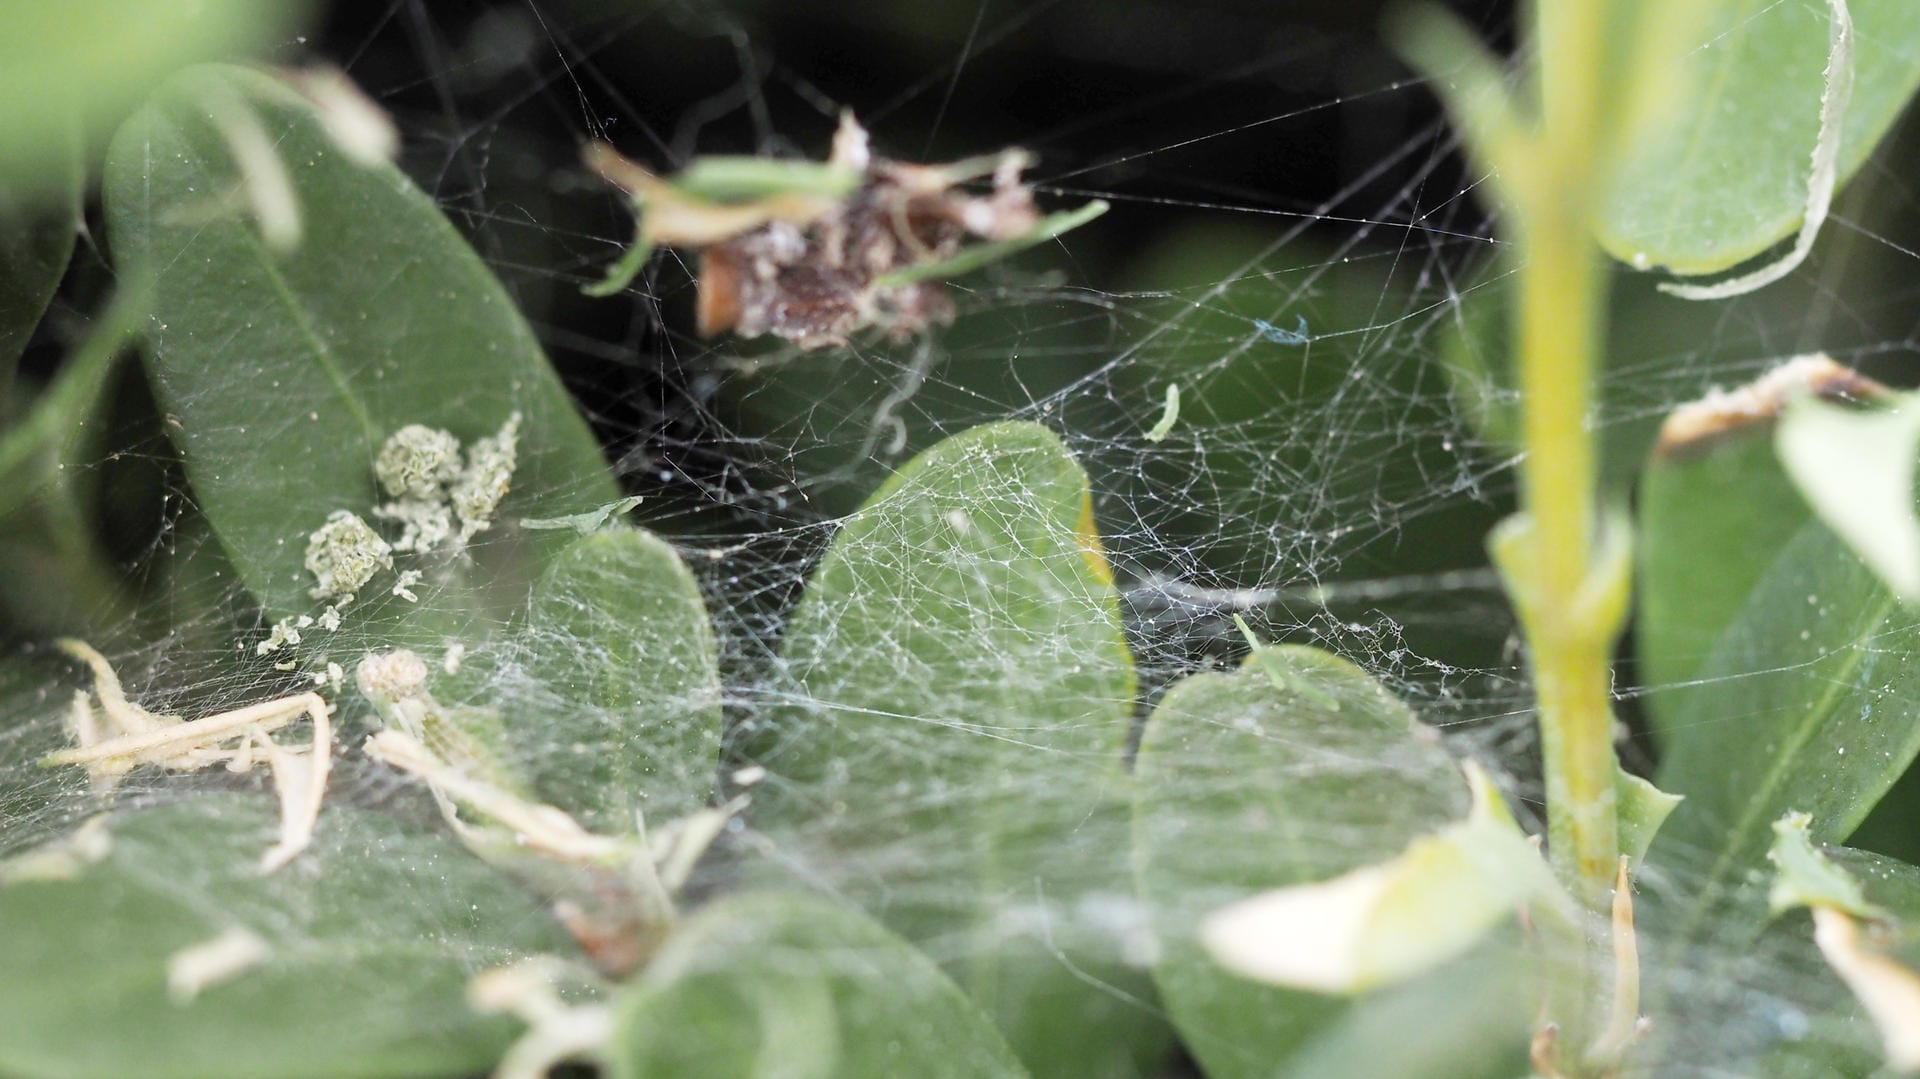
(36, 243)
(1465, 1020)
(283, 372)
(1801, 705)
(952, 750)
(1728, 179)
(1247, 783)
(1714, 513)
(1643, 808)
(34, 451)
(85, 65)
(1805, 877)
(1877, 967)
(625, 683)
(369, 941)
(785, 985)
(1386, 922)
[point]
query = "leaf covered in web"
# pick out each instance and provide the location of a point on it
(1297, 768)
(284, 370)
(623, 665)
(776, 983)
(151, 947)
(947, 745)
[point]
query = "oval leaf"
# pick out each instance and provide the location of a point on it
(953, 754)
(1728, 179)
(284, 371)
(1296, 768)
(1802, 705)
(789, 985)
(1715, 511)
(625, 681)
(351, 963)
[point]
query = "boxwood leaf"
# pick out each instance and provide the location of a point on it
(369, 940)
(282, 372)
(951, 752)
(1801, 705)
(784, 984)
(625, 682)
(1297, 767)
(1728, 179)
(1715, 509)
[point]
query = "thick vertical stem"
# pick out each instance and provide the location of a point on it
(1562, 292)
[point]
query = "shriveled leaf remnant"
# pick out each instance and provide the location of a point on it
(815, 253)
(558, 1030)
(221, 959)
(123, 736)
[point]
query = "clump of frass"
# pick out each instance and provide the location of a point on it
(486, 479)
(429, 487)
(417, 462)
(344, 554)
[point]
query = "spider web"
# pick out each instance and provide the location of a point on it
(1294, 243)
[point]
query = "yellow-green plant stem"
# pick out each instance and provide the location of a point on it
(1562, 292)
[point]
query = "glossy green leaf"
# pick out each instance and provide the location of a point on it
(1247, 783)
(282, 373)
(1728, 177)
(771, 984)
(1715, 510)
(369, 938)
(1803, 704)
(953, 748)
(625, 684)
(1712, 519)
(85, 65)
(36, 242)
